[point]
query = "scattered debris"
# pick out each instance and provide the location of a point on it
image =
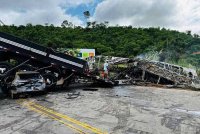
(90, 89)
(73, 95)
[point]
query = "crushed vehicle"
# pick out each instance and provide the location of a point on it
(26, 82)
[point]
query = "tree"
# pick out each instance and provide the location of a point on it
(86, 14)
(88, 24)
(66, 24)
(196, 36)
(188, 32)
(121, 41)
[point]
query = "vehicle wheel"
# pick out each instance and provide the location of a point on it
(5, 85)
(68, 81)
(5, 89)
(66, 84)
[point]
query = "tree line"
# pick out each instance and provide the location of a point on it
(124, 41)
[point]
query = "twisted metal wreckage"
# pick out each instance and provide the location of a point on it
(141, 72)
(47, 69)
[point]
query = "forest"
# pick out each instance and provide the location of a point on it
(124, 41)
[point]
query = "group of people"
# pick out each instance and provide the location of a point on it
(91, 62)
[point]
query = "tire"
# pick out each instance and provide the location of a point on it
(68, 81)
(5, 89)
(5, 85)
(66, 84)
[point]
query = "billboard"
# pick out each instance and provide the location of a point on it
(79, 53)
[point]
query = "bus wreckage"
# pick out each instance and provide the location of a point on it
(141, 72)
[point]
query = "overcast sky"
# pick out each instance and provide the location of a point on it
(180, 15)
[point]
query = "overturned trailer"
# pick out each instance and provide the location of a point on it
(57, 69)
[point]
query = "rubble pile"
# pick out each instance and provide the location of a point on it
(160, 73)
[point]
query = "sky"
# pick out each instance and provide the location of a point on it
(181, 15)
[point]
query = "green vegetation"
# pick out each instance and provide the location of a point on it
(173, 46)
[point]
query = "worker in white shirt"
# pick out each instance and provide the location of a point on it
(105, 68)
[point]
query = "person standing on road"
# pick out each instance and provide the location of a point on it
(105, 68)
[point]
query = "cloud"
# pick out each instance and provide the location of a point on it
(175, 14)
(76, 2)
(41, 12)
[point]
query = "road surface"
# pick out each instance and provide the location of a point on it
(118, 110)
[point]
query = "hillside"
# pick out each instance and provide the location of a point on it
(174, 47)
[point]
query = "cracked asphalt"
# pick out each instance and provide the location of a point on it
(118, 110)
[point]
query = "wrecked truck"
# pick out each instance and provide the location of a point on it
(21, 58)
(26, 66)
